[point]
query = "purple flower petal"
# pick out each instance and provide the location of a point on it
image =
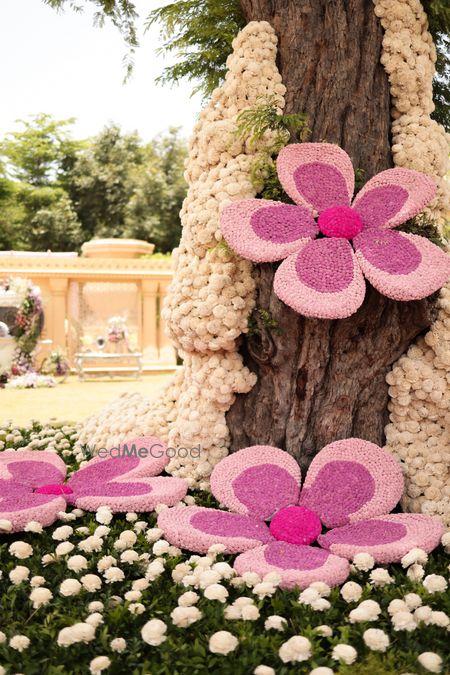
(298, 566)
(386, 538)
(394, 196)
(264, 230)
(257, 480)
(350, 480)
(317, 175)
(196, 529)
(323, 280)
(401, 266)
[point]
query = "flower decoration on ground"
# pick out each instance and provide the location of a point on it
(322, 274)
(32, 484)
(349, 489)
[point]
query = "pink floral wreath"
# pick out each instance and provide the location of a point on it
(323, 277)
(349, 487)
(32, 484)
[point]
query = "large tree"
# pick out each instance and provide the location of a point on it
(317, 380)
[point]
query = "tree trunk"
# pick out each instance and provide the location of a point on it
(320, 380)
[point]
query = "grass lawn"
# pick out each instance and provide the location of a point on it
(73, 400)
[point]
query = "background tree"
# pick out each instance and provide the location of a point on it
(158, 192)
(57, 192)
(100, 182)
(39, 153)
(38, 215)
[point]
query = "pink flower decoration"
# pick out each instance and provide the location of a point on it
(348, 488)
(32, 483)
(323, 277)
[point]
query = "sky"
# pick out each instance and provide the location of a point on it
(59, 63)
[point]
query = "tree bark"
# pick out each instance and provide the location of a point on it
(319, 380)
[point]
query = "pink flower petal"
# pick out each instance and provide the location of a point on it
(196, 529)
(257, 481)
(21, 472)
(32, 467)
(394, 196)
(317, 175)
(401, 266)
(264, 230)
(298, 566)
(350, 480)
(126, 495)
(323, 280)
(386, 538)
(19, 504)
(125, 480)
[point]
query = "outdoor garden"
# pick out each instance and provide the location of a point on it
(282, 503)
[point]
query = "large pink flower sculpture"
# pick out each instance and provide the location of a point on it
(323, 277)
(32, 483)
(349, 487)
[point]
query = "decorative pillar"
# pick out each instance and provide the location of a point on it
(149, 289)
(58, 291)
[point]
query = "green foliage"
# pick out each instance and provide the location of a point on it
(122, 13)
(199, 33)
(11, 214)
(438, 12)
(64, 192)
(41, 151)
(186, 649)
(253, 124)
(263, 125)
(262, 317)
(424, 228)
(100, 182)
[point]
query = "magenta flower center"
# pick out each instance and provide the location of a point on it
(340, 221)
(296, 525)
(54, 489)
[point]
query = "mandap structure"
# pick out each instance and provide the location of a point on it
(231, 383)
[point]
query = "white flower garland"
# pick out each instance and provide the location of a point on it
(419, 429)
(212, 292)
(409, 58)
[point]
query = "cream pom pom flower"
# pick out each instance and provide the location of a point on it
(403, 621)
(99, 664)
(345, 653)
(223, 642)
(154, 632)
(76, 563)
(216, 592)
(296, 649)
(376, 639)
(275, 622)
(435, 583)
(19, 642)
(430, 661)
(40, 596)
(185, 616)
(351, 591)
(118, 645)
(367, 610)
(70, 587)
(91, 582)
(21, 550)
(18, 574)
